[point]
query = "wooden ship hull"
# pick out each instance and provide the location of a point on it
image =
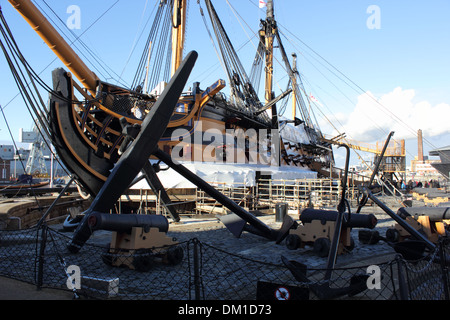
(91, 122)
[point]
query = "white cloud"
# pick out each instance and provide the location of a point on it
(372, 118)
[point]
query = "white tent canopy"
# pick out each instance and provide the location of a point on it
(229, 174)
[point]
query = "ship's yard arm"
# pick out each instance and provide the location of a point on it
(56, 43)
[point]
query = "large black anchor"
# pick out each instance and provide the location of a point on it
(149, 171)
(135, 156)
(141, 144)
(322, 290)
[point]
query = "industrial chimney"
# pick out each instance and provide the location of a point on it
(420, 146)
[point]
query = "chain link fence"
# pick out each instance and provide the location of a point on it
(198, 271)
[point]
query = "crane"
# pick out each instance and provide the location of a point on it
(391, 165)
(36, 162)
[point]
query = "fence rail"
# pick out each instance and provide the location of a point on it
(297, 194)
(39, 257)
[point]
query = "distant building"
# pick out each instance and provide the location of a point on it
(13, 163)
(7, 152)
(421, 166)
(424, 164)
(5, 170)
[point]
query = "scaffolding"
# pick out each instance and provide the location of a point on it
(393, 164)
(299, 193)
(260, 198)
(268, 193)
(242, 194)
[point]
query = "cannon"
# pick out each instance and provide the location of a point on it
(329, 231)
(350, 221)
(126, 222)
(434, 214)
(432, 222)
(317, 227)
(138, 241)
(326, 222)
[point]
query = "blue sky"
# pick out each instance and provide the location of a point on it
(404, 64)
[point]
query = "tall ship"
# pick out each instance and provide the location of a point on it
(90, 121)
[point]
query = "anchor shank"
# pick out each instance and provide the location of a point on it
(228, 203)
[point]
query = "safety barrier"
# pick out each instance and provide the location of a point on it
(40, 257)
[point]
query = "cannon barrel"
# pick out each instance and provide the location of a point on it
(95, 220)
(356, 220)
(124, 222)
(433, 213)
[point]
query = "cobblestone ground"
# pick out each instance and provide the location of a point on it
(210, 230)
(213, 232)
(216, 265)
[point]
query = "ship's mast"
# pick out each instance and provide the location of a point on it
(269, 35)
(178, 30)
(294, 84)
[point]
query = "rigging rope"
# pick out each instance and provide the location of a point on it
(30, 99)
(242, 91)
(26, 80)
(97, 62)
(157, 50)
(358, 89)
(256, 71)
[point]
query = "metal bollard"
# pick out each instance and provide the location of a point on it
(280, 211)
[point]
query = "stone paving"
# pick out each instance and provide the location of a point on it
(211, 231)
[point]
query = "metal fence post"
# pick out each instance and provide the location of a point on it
(403, 285)
(444, 269)
(43, 242)
(197, 280)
